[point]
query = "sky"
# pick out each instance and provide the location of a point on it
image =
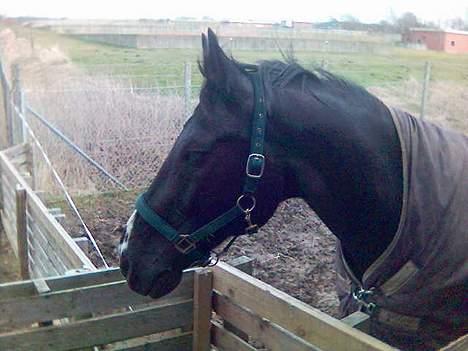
(257, 10)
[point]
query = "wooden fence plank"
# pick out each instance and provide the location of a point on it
(36, 271)
(9, 179)
(9, 195)
(272, 336)
(461, 344)
(9, 185)
(26, 288)
(9, 202)
(56, 232)
(75, 302)
(39, 255)
(41, 286)
(58, 260)
(358, 320)
(301, 319)
(101, 330)
(9, 213)
(37, 244)
(243, 263)
(181, 342)
(227, 341)
(202, 290)
(41, 271)
(12, 151)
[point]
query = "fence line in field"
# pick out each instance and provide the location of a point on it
(67, 195)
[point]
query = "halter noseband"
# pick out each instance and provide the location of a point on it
(187, 243)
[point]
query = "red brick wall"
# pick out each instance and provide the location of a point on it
(432, 40)
(460, 43)
(440, 41)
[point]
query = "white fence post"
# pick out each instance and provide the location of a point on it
(425, 91)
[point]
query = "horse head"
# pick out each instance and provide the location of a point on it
(209, 179)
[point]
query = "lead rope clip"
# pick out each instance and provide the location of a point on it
(251, 228)
(361, 296)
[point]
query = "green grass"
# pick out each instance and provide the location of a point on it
(164, 66)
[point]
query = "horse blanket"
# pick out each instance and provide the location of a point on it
(420, 283)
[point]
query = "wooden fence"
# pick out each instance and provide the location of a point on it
(92, 309)
(221, 307)
(41, 244)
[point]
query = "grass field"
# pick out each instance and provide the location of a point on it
(391, 66)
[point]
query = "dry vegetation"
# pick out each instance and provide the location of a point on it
(446, 102)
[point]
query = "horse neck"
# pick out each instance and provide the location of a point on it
(345, 160)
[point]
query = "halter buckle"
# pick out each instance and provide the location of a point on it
(255, 166)
(184, 244)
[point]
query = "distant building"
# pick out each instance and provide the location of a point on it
(452, 41)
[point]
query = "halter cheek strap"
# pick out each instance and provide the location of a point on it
(255, 165)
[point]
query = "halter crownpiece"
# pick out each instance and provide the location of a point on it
(255, 166)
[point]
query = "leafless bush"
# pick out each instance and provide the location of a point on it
(446, 103)
(127, 131)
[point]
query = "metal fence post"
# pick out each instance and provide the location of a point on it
(425, 89)
(187, 89)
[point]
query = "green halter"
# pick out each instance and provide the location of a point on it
(187, 243)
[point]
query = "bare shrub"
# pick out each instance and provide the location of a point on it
(446, 103)
(129, 132)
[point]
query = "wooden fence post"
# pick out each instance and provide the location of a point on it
(203, 287)
(17, 100)
(6, 106)
(187, 89)
(425, 91)
(22, 108)
(22, 233)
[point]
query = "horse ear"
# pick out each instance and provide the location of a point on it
(217, 67)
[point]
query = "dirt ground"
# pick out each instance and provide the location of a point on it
(294, 252)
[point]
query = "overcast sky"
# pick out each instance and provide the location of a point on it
(260, 10)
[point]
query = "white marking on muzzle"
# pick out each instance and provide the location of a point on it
(124, 244)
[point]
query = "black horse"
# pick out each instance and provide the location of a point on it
(262, 134)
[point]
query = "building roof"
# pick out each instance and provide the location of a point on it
(438, 30)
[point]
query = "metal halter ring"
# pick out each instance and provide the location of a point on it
(252, 200)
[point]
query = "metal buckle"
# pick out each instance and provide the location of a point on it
(184, 244)
(249, 171)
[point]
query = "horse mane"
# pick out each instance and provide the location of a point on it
(314, 82)
(291, 75)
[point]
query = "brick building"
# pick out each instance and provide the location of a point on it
(451, 41)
